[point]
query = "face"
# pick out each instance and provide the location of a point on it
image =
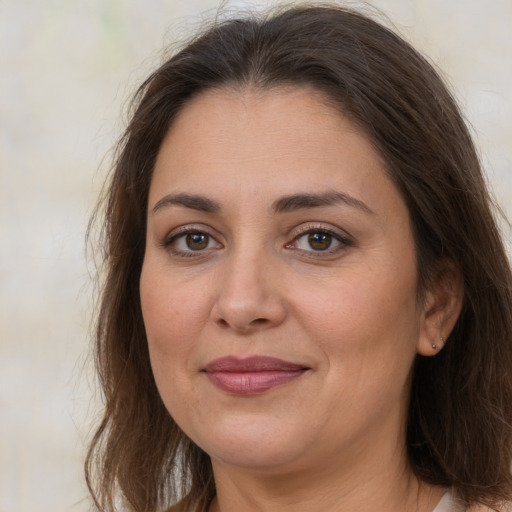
(279, 283)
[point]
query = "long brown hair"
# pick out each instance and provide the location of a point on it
(459, 430)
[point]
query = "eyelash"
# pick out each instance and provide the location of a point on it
(185, 231)
(310, 229)
(306, 230)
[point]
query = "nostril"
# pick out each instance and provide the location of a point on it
(223, 323)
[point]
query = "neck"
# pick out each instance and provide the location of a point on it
(379, 482)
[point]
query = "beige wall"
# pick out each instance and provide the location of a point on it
(66, 67)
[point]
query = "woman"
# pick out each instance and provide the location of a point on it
(307, 303)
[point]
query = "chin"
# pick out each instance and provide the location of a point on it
(253, 444)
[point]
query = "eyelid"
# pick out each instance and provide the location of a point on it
(345, 240)
(191, 228)
(187, 229)
(309, 227)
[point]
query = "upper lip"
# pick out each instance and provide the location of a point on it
(251, 364)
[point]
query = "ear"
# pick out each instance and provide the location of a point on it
(441, 309)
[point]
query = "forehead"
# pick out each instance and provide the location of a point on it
(267, 142)
(249, 119)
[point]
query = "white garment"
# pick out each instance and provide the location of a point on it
(449, 503)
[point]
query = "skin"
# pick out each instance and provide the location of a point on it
(332, 439)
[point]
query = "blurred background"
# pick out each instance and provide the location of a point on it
(67, 70)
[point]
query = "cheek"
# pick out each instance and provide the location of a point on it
(366, 329)
(174, 313)
(367, 312)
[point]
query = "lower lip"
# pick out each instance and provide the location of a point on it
(252, 383)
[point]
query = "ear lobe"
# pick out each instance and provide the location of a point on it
(441, 309)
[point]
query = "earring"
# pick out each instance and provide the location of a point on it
(434, 346)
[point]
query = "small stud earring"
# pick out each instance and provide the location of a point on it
(434, 346)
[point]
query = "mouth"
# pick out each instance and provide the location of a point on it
(252, 375)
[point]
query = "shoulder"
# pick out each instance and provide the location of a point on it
(506, 507)
(450, 502)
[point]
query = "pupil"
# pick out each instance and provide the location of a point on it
(197, 241)
(320, 241)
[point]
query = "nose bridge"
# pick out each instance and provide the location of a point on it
(247, 291)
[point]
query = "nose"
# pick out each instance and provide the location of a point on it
(248, 296)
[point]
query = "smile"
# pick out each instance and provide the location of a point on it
(253, 375)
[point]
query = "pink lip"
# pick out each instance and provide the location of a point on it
(252, 375)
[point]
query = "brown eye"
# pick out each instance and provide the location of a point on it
(191, 242)
(197, 241)
(320, 241)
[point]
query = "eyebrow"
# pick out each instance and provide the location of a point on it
(301, 201)
(194, 202)
(284, 204)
